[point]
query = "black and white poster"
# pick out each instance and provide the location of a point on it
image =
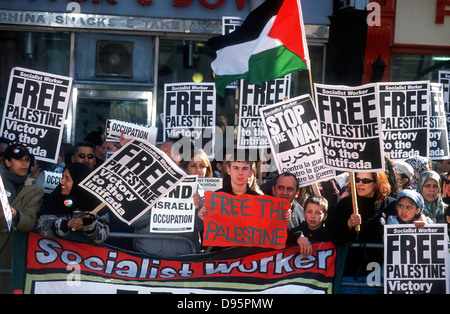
(229, 25)
(444, 80)
(293, 131)
(133, 179)
(114, 128)
(190, 112)
(35, 110)
(251, 133)
(175, 212)
(404, 113)
(416, 259)
(350, 129)
(439, 148)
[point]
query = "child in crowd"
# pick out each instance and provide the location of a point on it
(313, 229)
(409, 209)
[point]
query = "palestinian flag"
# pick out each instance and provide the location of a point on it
(270, 43)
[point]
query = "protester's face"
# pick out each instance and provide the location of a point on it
(430, 190)
(19, 166)
(107, 147)
(285, 188)
(196, 167)
(314, 215)
(365, 189)
(85, 155)
(239, 172)
(446, 189)
(406, 209)
(66, 183)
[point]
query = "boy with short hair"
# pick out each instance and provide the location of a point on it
(313, 229)
(240, 171)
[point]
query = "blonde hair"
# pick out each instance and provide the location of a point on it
(199, 155)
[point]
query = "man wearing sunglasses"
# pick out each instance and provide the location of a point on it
(83, 152)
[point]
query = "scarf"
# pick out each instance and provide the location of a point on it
(78, 198)
(435, 209)
(12, 182)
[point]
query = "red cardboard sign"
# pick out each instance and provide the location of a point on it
(245, 220)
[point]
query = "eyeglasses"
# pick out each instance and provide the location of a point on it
(364, 180)
(82, 156)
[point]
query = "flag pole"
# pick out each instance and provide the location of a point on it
(354, 199)
(311, 85)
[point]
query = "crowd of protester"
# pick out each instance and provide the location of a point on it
(406, 192)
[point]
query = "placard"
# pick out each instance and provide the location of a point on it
(245, 220)
(350, 128)
(416, 259)
(439, 148)
(133, 179)
(7, 214)
(190, 112)
(35, 110)
(444, 80)
(114, 128)
(175, 212)
(404, 110)
(251, 132)
(293, 130)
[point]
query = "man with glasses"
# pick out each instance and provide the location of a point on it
(83, 152)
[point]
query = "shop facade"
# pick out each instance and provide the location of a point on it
(121, 53)
(410, 42)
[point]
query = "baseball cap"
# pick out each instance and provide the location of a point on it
(17, 151)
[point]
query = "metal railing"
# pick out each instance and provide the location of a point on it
(194, 249)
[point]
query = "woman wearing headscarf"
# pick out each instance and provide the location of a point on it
(68, 209)
(409, 209)
(420, 164)
(429, 186)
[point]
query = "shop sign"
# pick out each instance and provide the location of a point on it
(212, 4)
(110, 22)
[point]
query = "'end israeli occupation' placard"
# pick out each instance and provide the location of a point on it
(416, 259)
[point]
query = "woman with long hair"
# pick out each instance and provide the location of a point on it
(374, 205)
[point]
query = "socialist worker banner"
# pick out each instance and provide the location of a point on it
(245, 220)
(62, 266)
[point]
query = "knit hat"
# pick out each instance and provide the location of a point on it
(415, 196)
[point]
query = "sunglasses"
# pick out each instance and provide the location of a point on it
(82, 156)
(364, 180)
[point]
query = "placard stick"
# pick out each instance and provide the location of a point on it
(354, 199)
(95, 211)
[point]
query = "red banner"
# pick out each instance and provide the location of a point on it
(62, 266)
(245, 220)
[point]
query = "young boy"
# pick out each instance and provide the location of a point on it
(313, 228)
(240, 172)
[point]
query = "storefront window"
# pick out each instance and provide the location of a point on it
(48, 52)
(408, 67)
